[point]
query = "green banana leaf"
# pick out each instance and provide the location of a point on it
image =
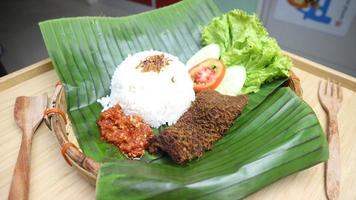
(86, 50)
(277, 134)
(280, 136)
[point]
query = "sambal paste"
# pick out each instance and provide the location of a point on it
(129, 133)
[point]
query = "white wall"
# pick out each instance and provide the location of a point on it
(333, 51)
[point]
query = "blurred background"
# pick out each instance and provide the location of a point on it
(321, 30)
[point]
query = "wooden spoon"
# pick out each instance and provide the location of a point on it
(28, 114)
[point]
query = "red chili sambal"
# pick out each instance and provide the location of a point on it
(129, 133)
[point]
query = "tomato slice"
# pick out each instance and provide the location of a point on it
(207, 75)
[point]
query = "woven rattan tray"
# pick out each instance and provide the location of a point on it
(59, 123)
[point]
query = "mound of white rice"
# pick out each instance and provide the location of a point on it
(158, 97)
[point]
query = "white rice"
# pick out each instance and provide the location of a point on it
(151, 95)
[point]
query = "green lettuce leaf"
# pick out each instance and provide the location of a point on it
(244, 41)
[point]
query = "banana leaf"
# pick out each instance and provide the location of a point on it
(280, 136)
(86, 50)
(277, 134)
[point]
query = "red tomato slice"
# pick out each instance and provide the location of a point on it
(207, 75)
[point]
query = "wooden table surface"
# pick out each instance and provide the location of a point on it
(52, 178)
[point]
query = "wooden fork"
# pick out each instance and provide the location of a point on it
(330, 97)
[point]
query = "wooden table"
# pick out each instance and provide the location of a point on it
(52, 178)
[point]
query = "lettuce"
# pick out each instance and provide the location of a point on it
(244, 41)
